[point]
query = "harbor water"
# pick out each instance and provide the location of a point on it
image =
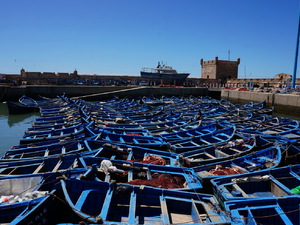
(12, 127)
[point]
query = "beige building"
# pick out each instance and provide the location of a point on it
(219, 70)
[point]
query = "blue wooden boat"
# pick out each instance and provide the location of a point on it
(37, 166)
(149, 115)
(47, 119)
(116, 125)
(269, 125)
(198, 131)
(26, 191)
(215, 112)
(236, 118)
(120, 171)
(68, 121)
(167, 126)
(63, 111)
(36, 129)
(121, 130)
(158, 119)
(172, 127)
(35, 145)
(238, 146)
(251, 106)
(249, 121)
(104, 203)
(245, 106)
(265, 110)
(264, 159)
(227, 104)
(273, 183)
(58, 109)
(282, 128)
(134, 112)
(142, 141)
(151, 101)
(15, 190)
(45, 151)
(193, 143)
(25, 100)
(290, 153)
(132, 153)
(279, 211)
(14, 108)
(63, 133)
(286, 138)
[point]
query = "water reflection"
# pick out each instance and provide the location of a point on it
(12, 127)
(17, 119)
(14, 119)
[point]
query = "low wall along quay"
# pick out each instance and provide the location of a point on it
(284, 103)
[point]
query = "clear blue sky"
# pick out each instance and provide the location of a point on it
(122, 36)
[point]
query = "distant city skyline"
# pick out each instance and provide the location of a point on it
(120, 37)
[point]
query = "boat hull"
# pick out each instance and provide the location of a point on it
(166, 78)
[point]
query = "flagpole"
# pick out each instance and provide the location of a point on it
(296, 55)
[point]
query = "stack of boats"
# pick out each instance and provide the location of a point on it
(166, 160)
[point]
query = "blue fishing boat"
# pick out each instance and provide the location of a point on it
(17, 192)
(282, 128)
(151, 101)
(169, 126)
(23, 192)
(134, 173)
(14, 108)
(270, 125)
(283, 211)
(143, 141)
(63, 133)
(264, 159)
(35, 129)
(198, 131)
(273, 183)
(104, 203)
(45, 151)
(121, 130)
(39, 165)
(61, 112)
(194, 143)
(238, 146)
(25, 100)
(132, 153)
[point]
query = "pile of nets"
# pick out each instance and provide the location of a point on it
(220, 171)
(161, 180)
(151, 159)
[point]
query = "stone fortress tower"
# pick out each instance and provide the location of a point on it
(220, 70)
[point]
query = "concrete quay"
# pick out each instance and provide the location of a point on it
(95, 93)
(283, 103)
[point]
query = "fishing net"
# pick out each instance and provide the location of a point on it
(161, 181)
(220, 171)
(151, 159)
(17, 186)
